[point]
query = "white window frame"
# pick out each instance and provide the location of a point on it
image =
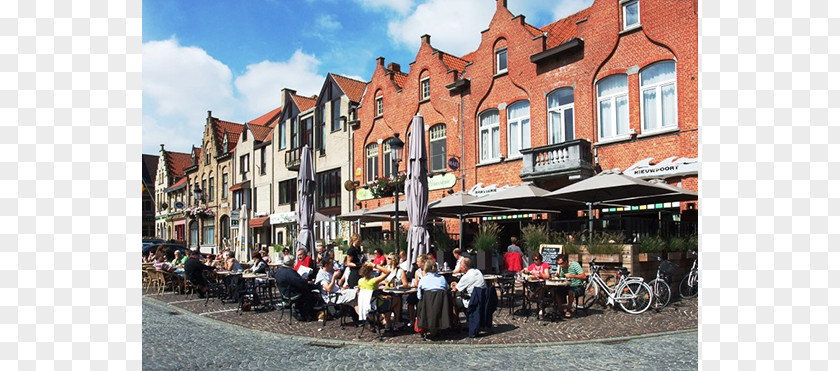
(612, 99)
(489, 129)
(437, 133)
(658, 127)
(425, 88)
(379, 106)
(387, 161)
(561, 109)
(499, 53)
(519, 121)
(371, 152)
(624, 7)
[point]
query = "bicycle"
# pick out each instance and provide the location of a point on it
(632, 294)
(661, 285)
(690, 283)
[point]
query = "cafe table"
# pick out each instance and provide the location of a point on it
(555, 286)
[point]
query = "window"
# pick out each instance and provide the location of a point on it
(287, 191)
(379, 106)
(207, 156)
(561, 115)
(224, 186)
(224, 223)
(387, 164)
(424, 89)
(262, 161)
(294, 134)
(282, 134)
(519, 127)
(613, 114)
(489, 135)
(372, 152)
(329, 189)
(437, 148)
(237, 199)
(319, 127)
(211, 193)
(306, 131)
(335, 113)
(659, 96)
(501, 61)
(208, 229)
(204, 187)
(243, 167)
(631, 14)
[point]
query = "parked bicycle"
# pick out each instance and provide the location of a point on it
(632, 294)
(661, 285)
(691, 282)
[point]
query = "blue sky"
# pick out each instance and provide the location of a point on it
(234, 57)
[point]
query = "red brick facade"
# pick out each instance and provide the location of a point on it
(668, 32)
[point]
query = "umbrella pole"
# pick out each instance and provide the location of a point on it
(589, 204)
(461, 232)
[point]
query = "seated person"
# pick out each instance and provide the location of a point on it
(193, 270)
(259, 265)
(456, 252)
(378, 256)
(231, 264)
(265, 256)
(328, 280)
(368, 282)
(178, 262)
(470, 280)
(398, 278)
(431, 280)
(572, 271)
(303, 260)
(290, 284)
(160, 262)
(538, 268)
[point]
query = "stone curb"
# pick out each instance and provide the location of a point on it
(169, 308)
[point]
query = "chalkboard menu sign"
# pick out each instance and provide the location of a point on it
(549, 255)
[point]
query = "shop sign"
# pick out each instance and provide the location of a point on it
(442, 181)
(234, 219)
(671, 166)
(364, 194)
(479, 190)
(283, 218)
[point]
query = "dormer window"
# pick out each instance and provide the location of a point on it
(225, 144)
(630, 10)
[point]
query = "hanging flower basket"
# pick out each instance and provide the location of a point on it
(200, 212)
(385, 187)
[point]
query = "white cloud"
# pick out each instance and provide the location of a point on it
(176, 135)
(455, 26)
(328, 23)
(261, 84)
(399, 6)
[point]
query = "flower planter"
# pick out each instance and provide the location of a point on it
(648, 256)
(606, 258)
(675, 255)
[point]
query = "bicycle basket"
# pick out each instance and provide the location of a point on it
(667, 268)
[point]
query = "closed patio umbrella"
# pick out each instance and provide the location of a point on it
(417, 192)
(306, 210)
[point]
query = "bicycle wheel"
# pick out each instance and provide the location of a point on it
(688, 285)
(661, 293)
(590, 295)
(634, 297)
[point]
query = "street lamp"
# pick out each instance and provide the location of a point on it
(396, 156)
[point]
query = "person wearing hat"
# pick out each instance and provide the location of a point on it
(290, 284)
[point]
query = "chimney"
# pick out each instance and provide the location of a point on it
(161, 148)
(209, 114)
(380, 61)
(501, 3)
(394, 67)
(426, 39)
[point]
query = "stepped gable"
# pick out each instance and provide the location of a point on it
(354, 89)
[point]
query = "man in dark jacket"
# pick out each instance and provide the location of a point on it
(193, 271)
(290, 284)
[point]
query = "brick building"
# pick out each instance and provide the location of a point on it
(170, 192)
(611, 86)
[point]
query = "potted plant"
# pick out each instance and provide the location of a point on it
(534, 235)
(676, 247)
(485, 241)
(385, 187)
(605, 247)
(571, 244)
(650, 247)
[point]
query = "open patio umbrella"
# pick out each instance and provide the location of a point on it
(524, 196)
(417, 192)
(306, 210)
(674, 194)
(458, 205)
(363, 215)
(321, 217)
(387, 211)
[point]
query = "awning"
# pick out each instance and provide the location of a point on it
(178, 185)
(258, 222)
(239, 186)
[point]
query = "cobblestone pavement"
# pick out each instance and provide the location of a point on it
(174, 338)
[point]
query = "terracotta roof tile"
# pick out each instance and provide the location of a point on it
(304, 103)
(259, 132)
(176, 162)
(454, 62)
(233, 131)
(399, 78)
(564, 29)
(181, 181)
(267, 118)
(354, 89)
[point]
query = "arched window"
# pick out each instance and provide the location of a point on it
(488, 135)
(501, 54)
(372, 154)
(519, 127)
(437, 148)
(387, 163)
(561, 115)
(224, 227)
(379, 105)
(425, 88)
(613, 112)
(659, 96)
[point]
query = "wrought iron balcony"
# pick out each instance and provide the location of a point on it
(567, 158)
(293, 159)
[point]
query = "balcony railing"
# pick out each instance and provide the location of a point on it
(567, 158)
(293, 159)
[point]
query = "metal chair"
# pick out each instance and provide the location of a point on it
(507, 290)
(286, 301)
